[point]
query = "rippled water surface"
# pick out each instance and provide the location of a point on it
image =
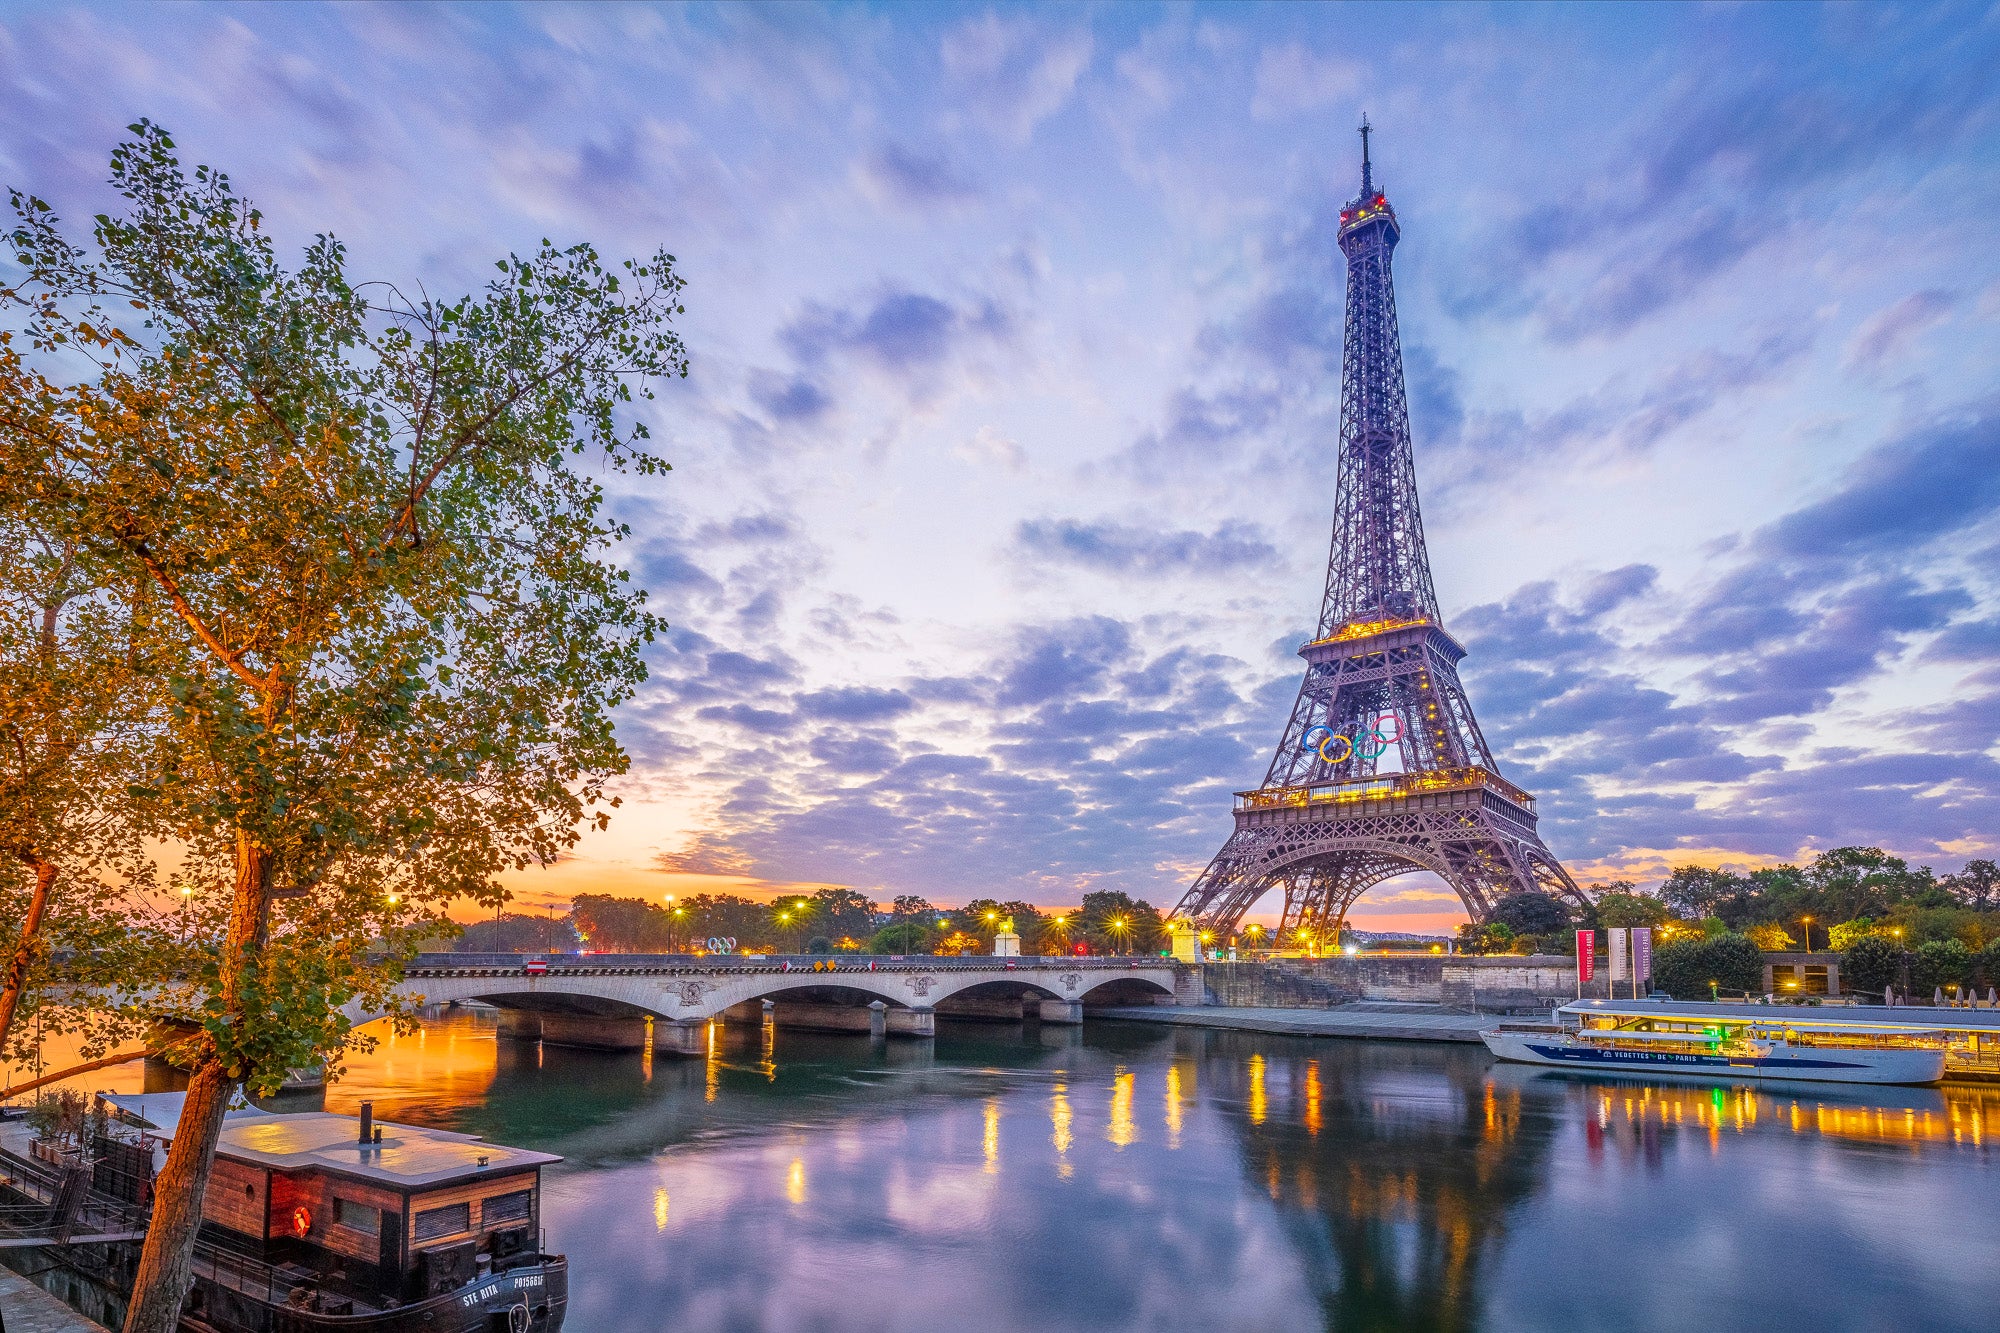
(1135, 1176)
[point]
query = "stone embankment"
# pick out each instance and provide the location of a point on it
(1498, 985)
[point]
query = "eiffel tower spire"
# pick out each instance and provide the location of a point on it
(1382, 769)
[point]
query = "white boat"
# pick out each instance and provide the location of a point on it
(1729, 1050)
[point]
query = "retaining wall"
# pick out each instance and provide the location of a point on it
(1493, 985)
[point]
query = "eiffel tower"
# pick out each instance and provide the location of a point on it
(1332, 819)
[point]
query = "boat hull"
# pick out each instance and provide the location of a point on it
(529, 1299)
(1808, 1065)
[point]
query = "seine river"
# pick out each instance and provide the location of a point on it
(1137, 1176)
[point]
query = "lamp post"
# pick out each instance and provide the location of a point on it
(1902, 960)
(1117, 927)
(1806, 921)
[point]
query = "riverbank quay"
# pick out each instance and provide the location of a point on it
(26, 1308)
(1362, 1019)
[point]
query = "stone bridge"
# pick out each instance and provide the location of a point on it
(629, 1001)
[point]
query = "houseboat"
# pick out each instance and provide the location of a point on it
(328, 1222)
(1787, 1044)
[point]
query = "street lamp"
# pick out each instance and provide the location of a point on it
(1806, 921)
(1117, 928)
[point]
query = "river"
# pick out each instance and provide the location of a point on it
(1137, 1176)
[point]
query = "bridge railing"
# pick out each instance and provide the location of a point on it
(598, 964)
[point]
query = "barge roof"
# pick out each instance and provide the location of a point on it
(408, 1157)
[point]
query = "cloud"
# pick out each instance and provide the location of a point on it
(1907, 493)
(1115, 548)
(1011, 77)
(898, 176)
(899, 331)
(1292, 80)
(1888, 333)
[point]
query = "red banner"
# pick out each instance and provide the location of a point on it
(1586, 955)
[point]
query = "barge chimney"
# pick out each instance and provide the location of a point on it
(367, 1122)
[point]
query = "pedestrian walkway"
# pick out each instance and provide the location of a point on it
(26, 1308)
(1391, 1022)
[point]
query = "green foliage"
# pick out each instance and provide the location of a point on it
(1870, 964)
(1939, 964)
(519, 933)
(1769, 936)
(912, 935)
(1116, 922)
(1849, 933)
(606, 923)
(1491, 938)
(843, 914)
(1976, 886)
(1622, 908)
(367, 566)
(1685, 968)
(728, 916)
(1531, 912)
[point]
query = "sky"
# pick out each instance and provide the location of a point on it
(1004, 474)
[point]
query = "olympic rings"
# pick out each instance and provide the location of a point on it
(1366, 743)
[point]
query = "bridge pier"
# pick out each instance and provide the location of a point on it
(822, 1017)
(750, 1011)
(1062, 1011)
(913, 1022)
(680, 1036)
(596, 1032)
(878, 1019)
(520, 1025)
(990, 1008)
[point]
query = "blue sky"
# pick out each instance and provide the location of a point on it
(1004, 476)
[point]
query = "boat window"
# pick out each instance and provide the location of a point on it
(505, 1208)
(356, 1216)
(447, 1221)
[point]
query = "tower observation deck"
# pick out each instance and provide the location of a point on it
(1382, 769)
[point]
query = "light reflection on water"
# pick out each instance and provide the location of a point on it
(1137, 1176)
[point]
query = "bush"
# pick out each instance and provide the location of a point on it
(819, 944)
(1986, 966)
(1939, 964)
(1871, 963)
(1684, 968)
(1769, 936)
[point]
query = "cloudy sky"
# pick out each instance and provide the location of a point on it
(1004, 476)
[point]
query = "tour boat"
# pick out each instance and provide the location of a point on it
(1728, 1050)
(314, 1223)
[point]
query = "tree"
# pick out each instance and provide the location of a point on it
(390, 639)
(610, 924)
(74, 695)
(1620, 910)
(1871, 964)
(1977, 886)
(520, 933)
(1939, 964)
(1693, 892)
(843, 914)
(1769, 936)
(1530, 912)
(1116, 922)
(724, 916)
(910, 936)
(1684, 969)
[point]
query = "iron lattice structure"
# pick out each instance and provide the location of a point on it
(1331, 820)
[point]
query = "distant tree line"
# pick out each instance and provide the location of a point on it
(1892, 924)
(828, 921)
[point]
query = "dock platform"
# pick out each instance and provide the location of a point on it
(26, 1308)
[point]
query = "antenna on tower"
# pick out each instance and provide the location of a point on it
(1367, 178)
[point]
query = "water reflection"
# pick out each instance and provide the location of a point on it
(1139, 1176)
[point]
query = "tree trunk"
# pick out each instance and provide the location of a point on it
(166, 1263)
(25, 947)
(166, 1267)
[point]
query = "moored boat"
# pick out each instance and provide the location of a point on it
(329, 1222)
(1728, 1049)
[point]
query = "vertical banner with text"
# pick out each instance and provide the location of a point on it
(1619, 939)
(1642, 958)
(1586, 958)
